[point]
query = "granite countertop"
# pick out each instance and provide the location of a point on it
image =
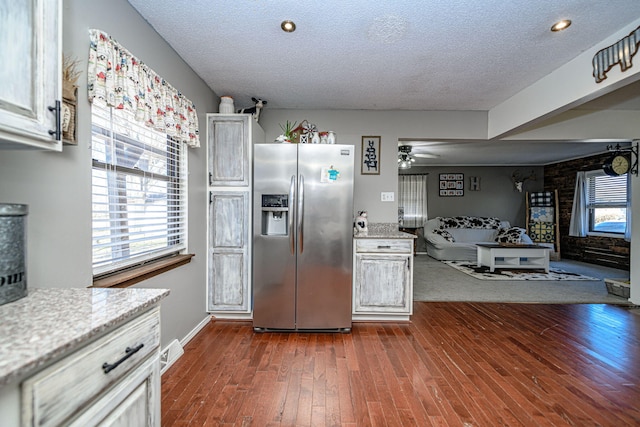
(47, 323)
(384, 230)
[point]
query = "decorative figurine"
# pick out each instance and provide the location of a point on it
(361, 223)
(255, 110)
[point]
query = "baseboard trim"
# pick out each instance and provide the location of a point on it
(232, 315)
(175, 349)
(195, 331)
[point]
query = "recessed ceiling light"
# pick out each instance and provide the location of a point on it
(561, 25)
(288, 26)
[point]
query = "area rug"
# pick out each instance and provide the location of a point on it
(483, 273)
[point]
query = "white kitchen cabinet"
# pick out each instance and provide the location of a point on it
(229, 145)
(130, 403)
(228, 284)
(30, 72)
(383, 279)
(230, 139)
(113, 381)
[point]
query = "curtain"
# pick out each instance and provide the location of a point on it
(579, 218)
(627, 230)
(122, 81)
(412, 200)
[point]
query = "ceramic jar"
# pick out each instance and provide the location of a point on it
(331, 138)
(226, 105)
(315, 139)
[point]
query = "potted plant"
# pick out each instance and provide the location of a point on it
(287, 130)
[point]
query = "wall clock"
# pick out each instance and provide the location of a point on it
(617, 165)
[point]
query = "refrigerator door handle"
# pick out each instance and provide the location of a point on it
(301, 213)
(292, 190)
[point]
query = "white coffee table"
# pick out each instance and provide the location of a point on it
(513, 256)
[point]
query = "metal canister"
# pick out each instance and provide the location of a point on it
(13, 274)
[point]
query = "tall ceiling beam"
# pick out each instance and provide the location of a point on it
(567, 87)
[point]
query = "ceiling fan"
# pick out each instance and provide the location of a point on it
(406, 156)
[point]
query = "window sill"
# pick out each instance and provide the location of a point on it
(138, 274)
(601, 234)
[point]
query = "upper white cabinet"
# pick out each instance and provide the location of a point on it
(228, 139)
(30, 74)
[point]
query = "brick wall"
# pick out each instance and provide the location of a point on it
(607, 251)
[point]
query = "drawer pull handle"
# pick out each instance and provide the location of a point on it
(106, 367)
(384, 247)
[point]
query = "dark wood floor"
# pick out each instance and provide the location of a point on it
(454, 364)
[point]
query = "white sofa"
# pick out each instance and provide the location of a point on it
(455, 238)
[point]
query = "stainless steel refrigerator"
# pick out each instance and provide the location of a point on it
(302, 236)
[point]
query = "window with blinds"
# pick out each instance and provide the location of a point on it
(138, 191)
(607, 202)
(412, 200)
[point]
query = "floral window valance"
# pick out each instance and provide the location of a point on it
(122, 81)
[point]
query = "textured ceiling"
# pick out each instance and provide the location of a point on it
(382, 55)
(409, 54)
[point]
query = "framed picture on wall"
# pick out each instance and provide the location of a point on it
(451, 184)
(370, 158)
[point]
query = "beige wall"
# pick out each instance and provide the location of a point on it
(57, 186)
(351, 126)
(497, 196)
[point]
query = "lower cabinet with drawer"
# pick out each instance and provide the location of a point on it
(113, 381)
(383, 279)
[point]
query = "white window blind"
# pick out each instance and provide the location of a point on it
(138, 191)
(607, 191)
(606, 202)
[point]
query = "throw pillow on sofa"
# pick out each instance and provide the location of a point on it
(511, 235)
(470, 222)
(444, 233)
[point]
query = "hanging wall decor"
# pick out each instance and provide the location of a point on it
(370, 158)
(621, 52)
(451, 184)
(474, 183)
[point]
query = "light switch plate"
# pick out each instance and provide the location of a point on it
(386, 196)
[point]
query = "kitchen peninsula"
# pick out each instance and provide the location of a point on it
(77, 356)
(383, 273)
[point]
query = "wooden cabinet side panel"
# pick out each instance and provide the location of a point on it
(228, 146)
(228, 214)
(132, 411)
(382, 283)
(227, 289)
(228, 277)
(382, 276)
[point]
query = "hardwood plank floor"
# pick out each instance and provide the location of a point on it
(454, 364)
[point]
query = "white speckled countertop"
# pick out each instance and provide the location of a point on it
(49, 322)
(384, 230)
